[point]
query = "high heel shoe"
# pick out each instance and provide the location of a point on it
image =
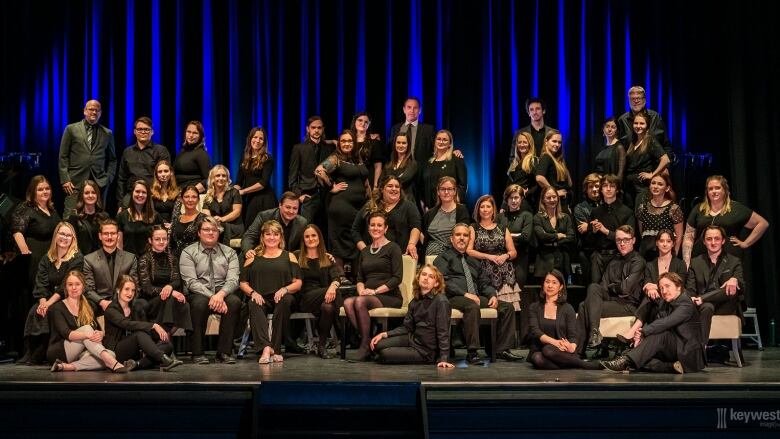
(167, 363)
(57, 366)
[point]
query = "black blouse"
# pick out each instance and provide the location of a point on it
(155, 271)
(184, 234)
(315, 277)
(383, 268)
(224, 207)
(87, 229)
(192, 166)
(62, 323)
(401, 220)
(48, 279)
(268, 275)
(135, 233)
(733, 222)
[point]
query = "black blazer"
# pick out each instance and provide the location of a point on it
(118, 327)
(676, 266)
(252, 233)
(681, 317)
(100, 284)
(705, 283)
(79, 161)
(565, 323)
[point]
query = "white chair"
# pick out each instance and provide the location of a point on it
(755, 335)
(487, 316)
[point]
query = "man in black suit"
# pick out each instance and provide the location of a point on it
(468, 291)
(104, 266)
(304, 159)
(536, 109)
(287, 215)
(87, 152)
(672, 342)
(421, 134)
(715, 280)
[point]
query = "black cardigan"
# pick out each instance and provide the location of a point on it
(118, 326)
(565, 323)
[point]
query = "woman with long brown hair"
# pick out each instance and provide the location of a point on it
(165, 191)
(192, 163)
(137, 220)
(551, 171)
(645, 159)
(254, 175)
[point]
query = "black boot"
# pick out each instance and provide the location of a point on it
(619, 364)
(595, 339)
(167, 363)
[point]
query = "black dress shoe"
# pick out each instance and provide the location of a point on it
(507, 355)
(225, 358)
(129, 366)
(619, 364)
(473, 358)
(167, 363)
(595, 339)
(323, 353)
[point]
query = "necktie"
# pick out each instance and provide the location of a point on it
(467, 273)
(210, 274)
(90, 135)
(410, 138)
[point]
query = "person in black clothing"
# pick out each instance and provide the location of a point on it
(138, 160)
(131, 336)
(254, 175)
(671, 343)
(184, 225)
(468, 291)
(192, 164)
(403, 166)
(368, 146)
(439, 220)
(519, 222)
(166, 193)
(424, 336)
(444, 163)
(606, 218)
(379, 274)
(655, 123)
(583, 215)
(304, 159)
(553, 328)
(552, 170)
(611, 158)
(536, 109)
(136, 221)
(286, 215)
(86, 219)
(644, 160)
(617, 294)
(521, 168)
(224, 203)
(321, 281)
(553, 235)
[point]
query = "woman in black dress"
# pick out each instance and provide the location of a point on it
(443, 164)
(657, 213)
(424, 336)
(402, 166)
(131, 336)
(270, 279)
(223, 202)
(192, 164)
(165, 191)
(719, 209)
(553, 234)
(75, 330)
(321, 281)
(62, 257)
(552, 170)
(184, 226)
(160, 282)
(645, 159)
(379, 273)
(611, 158)
(519, 222)
(439, 220)
(521, 170)
(367, 146)
(33, 223)
(403, 218)
(254, 175)
(347, 176)
(86, 220)
(135, 222)
(553, 328)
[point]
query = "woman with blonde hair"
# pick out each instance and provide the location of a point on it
(553, 234)
(521, 169)
(552, 170)
(443, 164)
(424, 337)
(223, 202)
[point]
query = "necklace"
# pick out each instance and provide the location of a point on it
(375, 250)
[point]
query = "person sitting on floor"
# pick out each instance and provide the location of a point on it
(424, 336)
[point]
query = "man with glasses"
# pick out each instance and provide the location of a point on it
(209, 271)
(104, 266)
(87, 152)
(617, 294)
(138, 160)
(637, 100)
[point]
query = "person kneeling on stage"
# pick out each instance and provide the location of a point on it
(469, 288)
(618, 294)
(715, 280)
(424, 336)
(128, 333)
(672, 342)
(551, 325)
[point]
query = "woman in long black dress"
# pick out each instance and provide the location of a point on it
(379, 274)
(131, 336)
(223, 202)
(254, 175)
(645, 159)
(367, 146)
(553, 234)
(62, 257)
(192, 164)
(553, 328)
(33, 223)
(611, 158)
(321, 281)
(552, 170)
(75, 330)
(165, 191)
(522, 169)
(402, 166)
(89, 214)
(443, 164)
(270, 279)
(424, 336)
(160, 293)
(348, 178)
(135, 222)
(184, 226)
(719, 209)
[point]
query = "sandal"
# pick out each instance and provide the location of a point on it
(57, 366)
(276, 358)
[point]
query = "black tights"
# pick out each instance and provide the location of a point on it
(551, 358)
(357, 309)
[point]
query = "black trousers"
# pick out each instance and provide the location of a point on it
(598, 263)
(199, 308)
(313, 301)
(258, 320)
(655, 353)
(597, 305)
(718, 304)
(169, 313)
(142, 342)
(505, 327)
(399, 350)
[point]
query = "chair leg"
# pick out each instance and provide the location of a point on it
(737, 350)
(493, 347)
(309, 336)
(758, 333)
(345, 326)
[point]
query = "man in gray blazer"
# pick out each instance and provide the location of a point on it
(87, 152)
(102, 267)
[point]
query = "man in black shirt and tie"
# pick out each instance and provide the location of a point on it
(468, 288)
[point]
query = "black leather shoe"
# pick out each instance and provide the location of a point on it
(200, 359)
(473, 358)
(167, 363)
(225, 358)
(323, 353)
(507, 355)
(595, 339)
(619, 364)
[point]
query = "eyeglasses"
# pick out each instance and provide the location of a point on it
(165, 239)
(446, 189)
(623, 240)
(64, 235)
(143, 130)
